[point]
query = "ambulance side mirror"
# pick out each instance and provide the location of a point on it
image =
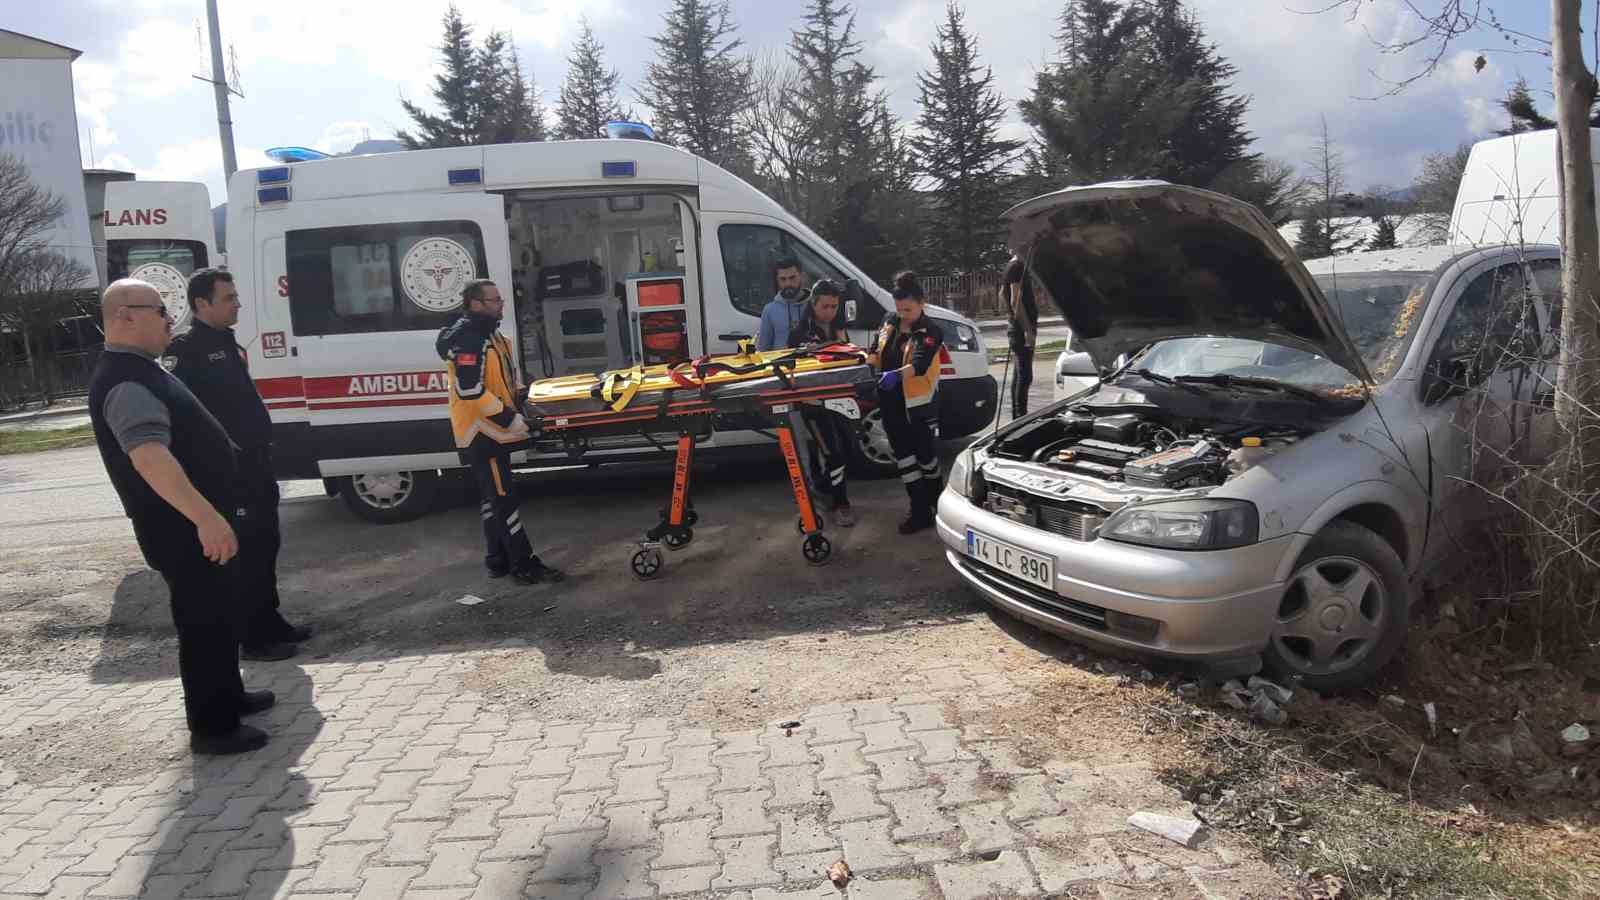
(859, 310)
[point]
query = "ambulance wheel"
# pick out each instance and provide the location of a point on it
(816, 548)
(870, 454)
(678, 540)
(647, 563)
(389, 497)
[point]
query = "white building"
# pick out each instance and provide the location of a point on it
(39, 125)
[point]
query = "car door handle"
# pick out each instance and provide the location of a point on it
(733, 337)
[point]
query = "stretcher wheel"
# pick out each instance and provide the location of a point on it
(647, 563)
(816, 548)
(678, 540)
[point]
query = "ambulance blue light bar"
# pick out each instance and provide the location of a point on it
(466, 176)
(280, 175)
(294, 154)
(265, 196)
(618, 169)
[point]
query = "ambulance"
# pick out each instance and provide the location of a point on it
(158, 231)
(613, 253)
(1510, 191)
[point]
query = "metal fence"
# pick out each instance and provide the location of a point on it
(975, 295)
(51, 376)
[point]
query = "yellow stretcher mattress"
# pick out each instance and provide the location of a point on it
(619, 389)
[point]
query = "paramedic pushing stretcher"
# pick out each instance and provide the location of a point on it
(484, 397)
(820, 326)
(906, 351)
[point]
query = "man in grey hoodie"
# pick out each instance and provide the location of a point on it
(780, 316)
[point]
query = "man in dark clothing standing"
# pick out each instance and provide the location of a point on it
(208, 360)
(173, 467)
(1022, 333)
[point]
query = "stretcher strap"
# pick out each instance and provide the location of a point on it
(630, 382)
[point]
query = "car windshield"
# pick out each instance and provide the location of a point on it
(1379, 310)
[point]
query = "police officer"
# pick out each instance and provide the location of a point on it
(173, 467)
(208, 360)
(484, 398)
(906, 351)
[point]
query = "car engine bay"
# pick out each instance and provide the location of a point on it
(1144, 449)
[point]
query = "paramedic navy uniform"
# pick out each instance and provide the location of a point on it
(132, 401)
(210, 362)
(910, 407)
(483, 416)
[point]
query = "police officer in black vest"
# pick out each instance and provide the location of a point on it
(208, 360)
(173, 467)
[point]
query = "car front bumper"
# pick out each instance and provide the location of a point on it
(1214, 608)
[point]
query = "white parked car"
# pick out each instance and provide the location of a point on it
(1075, 372)
(1286, 453)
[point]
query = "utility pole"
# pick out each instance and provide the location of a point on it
(219, 83)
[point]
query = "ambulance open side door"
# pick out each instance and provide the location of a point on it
(367, 284)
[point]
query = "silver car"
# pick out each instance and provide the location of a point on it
(1283, 457)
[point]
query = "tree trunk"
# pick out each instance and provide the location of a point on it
(1578, 383)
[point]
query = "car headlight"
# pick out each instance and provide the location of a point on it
(966, 339)
(961, 474)
(1204, 524)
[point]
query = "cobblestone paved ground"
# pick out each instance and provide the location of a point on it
(386, 779)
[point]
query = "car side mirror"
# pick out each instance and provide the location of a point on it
(1080, 365)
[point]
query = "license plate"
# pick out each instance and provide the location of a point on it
(1015, 561)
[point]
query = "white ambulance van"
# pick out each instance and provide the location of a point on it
(1510, 191)
(615, 252)
(159, 231)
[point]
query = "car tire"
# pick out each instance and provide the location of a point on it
(1321, 637)
(870, 454)
(391, 497)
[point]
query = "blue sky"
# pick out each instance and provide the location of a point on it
(326, 73)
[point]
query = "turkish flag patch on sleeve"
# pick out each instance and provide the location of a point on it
(466, 359)
(928, 341)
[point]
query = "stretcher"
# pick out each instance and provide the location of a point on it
(767, 389)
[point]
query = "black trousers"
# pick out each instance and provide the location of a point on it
(506, 543)
(831, 436)
(260, 539)
(206, 613)
(911, 438)
(1021, 379)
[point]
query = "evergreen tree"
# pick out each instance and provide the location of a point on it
(455, 89)
(850, 152)
(698, 86)
(1104, 110)
(1211, 139)
(957, 148)
(1523, 111)
(1386, 236)
(589, 93)
(509, 98)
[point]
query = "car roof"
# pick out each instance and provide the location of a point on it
(1417, 259)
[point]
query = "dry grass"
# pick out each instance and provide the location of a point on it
(37, 440)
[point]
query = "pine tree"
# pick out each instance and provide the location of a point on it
(508, 97)
(959, 151)
(698, 86)
(1386, 236)
(1523, 111)
(851, 155)
(1105, 109)
(1211, 140)
(589, 93)
(455, 89)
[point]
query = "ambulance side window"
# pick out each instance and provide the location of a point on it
(360, 279)
(748, 253)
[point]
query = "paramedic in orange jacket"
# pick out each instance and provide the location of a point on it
(484, 394)
(906, 351)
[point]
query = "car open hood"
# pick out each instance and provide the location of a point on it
(1135, 262)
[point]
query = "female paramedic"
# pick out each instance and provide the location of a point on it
(906, 351)
(820, 324)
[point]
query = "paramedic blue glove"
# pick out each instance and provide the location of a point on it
(889, 381)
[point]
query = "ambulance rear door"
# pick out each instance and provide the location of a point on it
(369, 282)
